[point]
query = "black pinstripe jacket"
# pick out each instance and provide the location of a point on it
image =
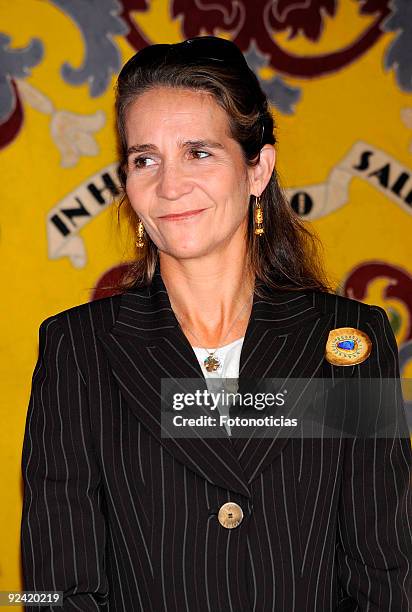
(121, 519)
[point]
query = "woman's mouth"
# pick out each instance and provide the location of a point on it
(183, 215)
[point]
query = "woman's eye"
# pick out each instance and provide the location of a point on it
(195, 151)
(139, 162)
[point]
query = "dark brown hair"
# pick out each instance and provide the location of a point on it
(286, 255)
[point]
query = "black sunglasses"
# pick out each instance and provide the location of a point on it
(191, 51)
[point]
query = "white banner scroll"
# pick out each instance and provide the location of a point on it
(364, 161)
(76, 210)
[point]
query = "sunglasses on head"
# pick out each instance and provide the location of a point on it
(191, 51)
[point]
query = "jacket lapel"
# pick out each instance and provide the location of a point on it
(284, 339)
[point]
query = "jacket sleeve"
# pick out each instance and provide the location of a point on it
(374, 550)
(63, 531)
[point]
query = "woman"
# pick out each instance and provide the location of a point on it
(118, 515)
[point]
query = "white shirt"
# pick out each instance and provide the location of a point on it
(229, 357)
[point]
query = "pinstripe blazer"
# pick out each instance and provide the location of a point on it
(122, 519)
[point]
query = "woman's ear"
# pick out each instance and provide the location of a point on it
(261, 173)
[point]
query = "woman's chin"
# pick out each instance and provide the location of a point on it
(187, 251)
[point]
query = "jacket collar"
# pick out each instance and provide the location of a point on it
(147, 313)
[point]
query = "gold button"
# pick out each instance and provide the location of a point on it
(230, 515)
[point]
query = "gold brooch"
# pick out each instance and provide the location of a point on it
(347, 346)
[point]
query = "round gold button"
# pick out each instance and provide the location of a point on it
(230, 515)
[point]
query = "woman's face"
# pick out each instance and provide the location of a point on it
(181, 158)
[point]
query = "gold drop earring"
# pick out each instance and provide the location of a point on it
(140, 242)
(258, 216)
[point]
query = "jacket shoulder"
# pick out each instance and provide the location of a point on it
(78, 327)
(96, 314)
(347, 311)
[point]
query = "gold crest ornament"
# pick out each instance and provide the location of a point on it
(347, 346)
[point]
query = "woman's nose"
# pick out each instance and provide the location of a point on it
(173, 181)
